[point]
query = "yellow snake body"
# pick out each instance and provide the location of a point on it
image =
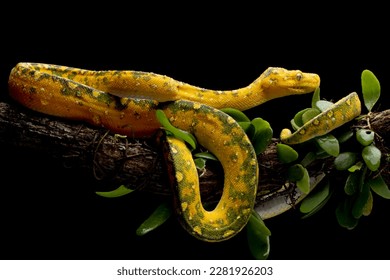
(222, 136)
(273, 83)
(125, 102)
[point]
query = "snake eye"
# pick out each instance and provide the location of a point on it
(298, 76)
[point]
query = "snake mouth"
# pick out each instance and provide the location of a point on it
(302, 89)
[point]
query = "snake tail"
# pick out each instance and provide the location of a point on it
(341, 112)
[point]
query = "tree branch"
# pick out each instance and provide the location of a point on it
(137, 163)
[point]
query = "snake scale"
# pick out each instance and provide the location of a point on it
(125, 102)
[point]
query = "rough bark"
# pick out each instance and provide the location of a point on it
(138, 162)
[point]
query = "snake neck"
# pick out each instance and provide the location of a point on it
(239, 98)
(273, 83)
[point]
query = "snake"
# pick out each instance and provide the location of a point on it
(126, 101)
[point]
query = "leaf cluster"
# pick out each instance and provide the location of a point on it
(354, 153)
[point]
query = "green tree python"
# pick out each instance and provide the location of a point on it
(125, 102)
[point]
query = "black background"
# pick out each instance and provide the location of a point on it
(51, 212)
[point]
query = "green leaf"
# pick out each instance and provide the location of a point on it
(308, 159)
(323, 105)
(261, 135)
(365, 136)
(258, 237)
(318, 208)
(309, 114)
(178, 133)
(379, 186)
(237, 115)
(206, 155)
(344, 137)
(356, 166)
(345, 160)
(321, 154)
(156, 219)
(298, 118)
(314, 199)
(294, 125)
(344, 215)
(360, 202)
(315, 98)
(304, 183)
(120, 191)
(286, 153)
(200, 163)
(295, 172)
(371, 89)
(258, 222)
(352, 183)
(368, 207)
(329, 144)
(372, 157)
(245, 125)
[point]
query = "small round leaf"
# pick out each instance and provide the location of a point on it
(323, 105)
(309, 114)
(245, 126)
(365, 136)
(286, 153)
(344, 137)
(345, 160)
(329, 144)
(298, 117)
(262, 135)
(295, 172)
(200, 163)
(372, 157)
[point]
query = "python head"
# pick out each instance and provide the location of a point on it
(278, 82)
